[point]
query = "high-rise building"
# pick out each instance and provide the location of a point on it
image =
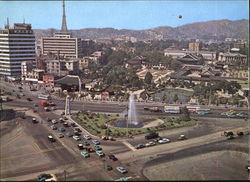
(17, 44)
(63, 43)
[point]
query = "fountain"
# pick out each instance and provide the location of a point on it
(132, 115)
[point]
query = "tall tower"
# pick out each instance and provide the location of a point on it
(64, 24)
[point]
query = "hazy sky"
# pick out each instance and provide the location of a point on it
(121, 14)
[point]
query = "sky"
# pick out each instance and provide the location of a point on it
(136, 15)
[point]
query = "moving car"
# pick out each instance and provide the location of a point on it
(85, 154)
(121, 169)
(100, 153)
(112, 157)
(43, 177)
(97, 147)
(34, 120)
(182, 137)
(48, 119)
(51, 139)
(151, 135)
(164, 140)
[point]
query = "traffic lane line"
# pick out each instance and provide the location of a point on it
(129, 146)
(32, 153)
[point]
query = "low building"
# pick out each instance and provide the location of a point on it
(232, 58)
(62, 67)
(191, 59)
(69, 83)
(174, 53)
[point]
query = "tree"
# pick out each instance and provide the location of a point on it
(164, 97)
(175, 97)
(186, 114)
(148, 78)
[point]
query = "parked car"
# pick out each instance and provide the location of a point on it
(53, 127)
(80, 146)
(100, 153)
(48, 119)
(77, 133)
(240, 133)
(73, 124)
(112, 157)
(151, 135)
(69, 134)
(61, 129)
(65, 124)
(60, 135)
(139, 146)
(64, 117)
(85, 143)
(77, 138)
(35, 105)
(54, 121)
(29, 99)
(108, 167)
(96, 142)
(61, 120)
(149, 144)
(121, 169)
(87, 137)
(164, 140)
(85, 154)
(78, 129)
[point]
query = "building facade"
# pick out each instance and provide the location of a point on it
(233, 58)
(63, 44)
(17, 44)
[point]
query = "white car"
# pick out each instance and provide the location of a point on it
(77, 138)
(54, 121)
(87, 137)
(164, 140)
(150, 144)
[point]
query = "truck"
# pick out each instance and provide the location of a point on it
(44, 103)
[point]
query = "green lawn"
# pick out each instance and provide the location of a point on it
(96, 124)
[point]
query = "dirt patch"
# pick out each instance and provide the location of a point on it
(221, 165)
(156, 122)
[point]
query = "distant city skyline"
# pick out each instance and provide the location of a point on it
(136, 15)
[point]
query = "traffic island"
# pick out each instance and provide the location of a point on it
(101, 124)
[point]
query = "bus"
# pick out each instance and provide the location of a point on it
(172, 109)
(44, 97)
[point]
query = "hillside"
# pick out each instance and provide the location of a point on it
(219, 29)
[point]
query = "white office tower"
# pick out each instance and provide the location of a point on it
(17, 44)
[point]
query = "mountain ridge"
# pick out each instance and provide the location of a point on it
(214, 29)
